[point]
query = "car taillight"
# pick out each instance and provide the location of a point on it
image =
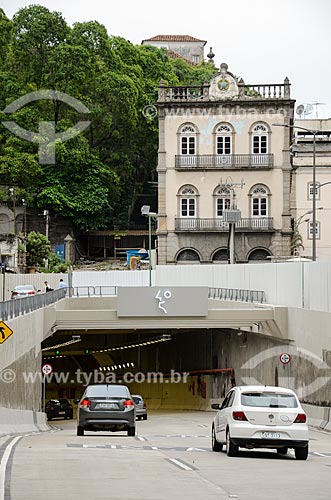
(31, 293)
(301, 418)
(86, 403)
(14, 293)
(239, 415)
(145, 407)
(128, 402)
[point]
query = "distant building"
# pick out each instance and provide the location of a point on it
(302, 150)
(216, 141)
(179, 46)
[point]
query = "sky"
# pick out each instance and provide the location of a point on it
(262, 41)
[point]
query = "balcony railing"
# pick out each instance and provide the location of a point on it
(260, 91)
(224, 162)
(250, 224)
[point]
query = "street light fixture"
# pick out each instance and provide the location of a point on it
(313, 132)
(145, 210)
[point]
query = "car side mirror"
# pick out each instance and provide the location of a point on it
(215, 406)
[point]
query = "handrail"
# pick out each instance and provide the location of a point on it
(237, 294)
(16, 307)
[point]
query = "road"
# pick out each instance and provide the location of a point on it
(169, 459)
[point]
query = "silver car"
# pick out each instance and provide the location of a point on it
(21, 291)
(106, 407)
(141, 408)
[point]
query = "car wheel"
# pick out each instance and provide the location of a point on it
(301, 453)
(80, 431)
(131, 431)
(282, 451)
(49, 418)
(216, 446)
(231, 449)
(145, 417)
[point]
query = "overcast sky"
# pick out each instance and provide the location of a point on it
(261, 40)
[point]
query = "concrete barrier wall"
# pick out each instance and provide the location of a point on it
(14, 421)
(318, 416)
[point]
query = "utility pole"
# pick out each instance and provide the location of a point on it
(46, 215)
(232, 216)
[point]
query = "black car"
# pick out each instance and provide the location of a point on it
(58, 408)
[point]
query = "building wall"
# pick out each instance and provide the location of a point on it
(186, 49)
(302, 162)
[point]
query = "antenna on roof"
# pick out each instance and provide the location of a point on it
(304, 109)
(315, 103)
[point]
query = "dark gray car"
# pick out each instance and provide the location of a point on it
(106, 407)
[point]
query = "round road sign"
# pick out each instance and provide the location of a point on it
(47, 369)
(285, 358)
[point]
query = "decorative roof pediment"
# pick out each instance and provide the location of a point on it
(223, 85)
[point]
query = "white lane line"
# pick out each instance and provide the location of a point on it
(154, 448)
(180, 464)
(319, 454)
(3, 466)
(140, 438)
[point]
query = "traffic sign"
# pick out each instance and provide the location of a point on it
(285, 358)
(47, 369)
(5, 332)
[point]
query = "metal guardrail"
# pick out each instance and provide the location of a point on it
(92, 291)
(237, 294)
(214, 293)
(17, 307)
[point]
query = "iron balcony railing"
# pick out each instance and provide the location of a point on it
(237, 294)
(251, 224)
(17, 307)
(224, 162)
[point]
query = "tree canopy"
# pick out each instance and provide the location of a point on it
(99, 174)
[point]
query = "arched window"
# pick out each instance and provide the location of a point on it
(259, 201)
(259, 254)
(188, 202)
(260, 139)
(188, 255)
(222, 197)
(188, 140)
(223, 140)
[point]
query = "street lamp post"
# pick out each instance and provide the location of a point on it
(145, 211)
(313, 132)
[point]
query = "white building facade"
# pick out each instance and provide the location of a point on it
(218, 149)
(303, 186)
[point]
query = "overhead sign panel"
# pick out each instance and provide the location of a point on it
(162, 301)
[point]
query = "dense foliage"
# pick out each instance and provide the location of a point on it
(98, 174)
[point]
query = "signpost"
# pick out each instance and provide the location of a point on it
(46, 369)
(5, 332)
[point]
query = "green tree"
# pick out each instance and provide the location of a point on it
(37, 249)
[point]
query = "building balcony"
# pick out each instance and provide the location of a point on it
(224, 162)
(254, 224)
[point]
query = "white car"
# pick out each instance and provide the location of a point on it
(260, 417)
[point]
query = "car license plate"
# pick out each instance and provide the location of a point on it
(270, 435)
(62, 412)
(107, 406)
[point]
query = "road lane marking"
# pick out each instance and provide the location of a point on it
(141, 438)
(320, 454)
(180, 464)
(3, 466)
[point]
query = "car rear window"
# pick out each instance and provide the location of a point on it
(268, 400)
(137, 399)
(117, 391)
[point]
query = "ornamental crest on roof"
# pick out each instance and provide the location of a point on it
(223, 85)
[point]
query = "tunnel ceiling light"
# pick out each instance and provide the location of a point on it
(63, 344)
(163, 338)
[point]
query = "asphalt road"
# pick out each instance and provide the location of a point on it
(169, 459)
